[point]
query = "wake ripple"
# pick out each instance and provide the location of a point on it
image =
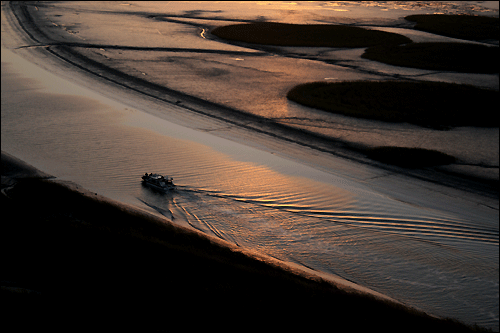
(423, 227)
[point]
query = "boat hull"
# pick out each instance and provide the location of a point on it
(159, 188)
(158, 182)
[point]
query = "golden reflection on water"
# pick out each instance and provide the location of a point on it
(96, 145)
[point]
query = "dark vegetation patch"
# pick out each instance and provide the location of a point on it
(281, 34)
(385, 47)
(459, 57)
(409, 157)
(436, 105)
(458, 26)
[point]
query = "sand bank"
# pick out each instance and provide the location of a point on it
(92, 259)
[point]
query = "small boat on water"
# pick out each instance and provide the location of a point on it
(158, 182)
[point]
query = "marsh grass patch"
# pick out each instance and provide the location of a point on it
(320, 35)
(409, 157)
(458, 26)
(435, 105)
(458, 57)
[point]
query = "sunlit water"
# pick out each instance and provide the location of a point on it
(444, 263)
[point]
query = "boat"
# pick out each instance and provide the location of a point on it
(158, 182)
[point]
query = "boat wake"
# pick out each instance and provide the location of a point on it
(415, 225)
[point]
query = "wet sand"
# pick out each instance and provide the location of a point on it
(76, 258)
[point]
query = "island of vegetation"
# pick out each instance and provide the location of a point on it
(457, 57)
(429, 104)
(385, 47)
(458, 26)
(435, 105)
(410, 158)
(325, 35)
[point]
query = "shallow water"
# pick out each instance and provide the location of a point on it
(431, 250)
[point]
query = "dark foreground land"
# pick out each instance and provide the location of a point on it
(72, 260)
